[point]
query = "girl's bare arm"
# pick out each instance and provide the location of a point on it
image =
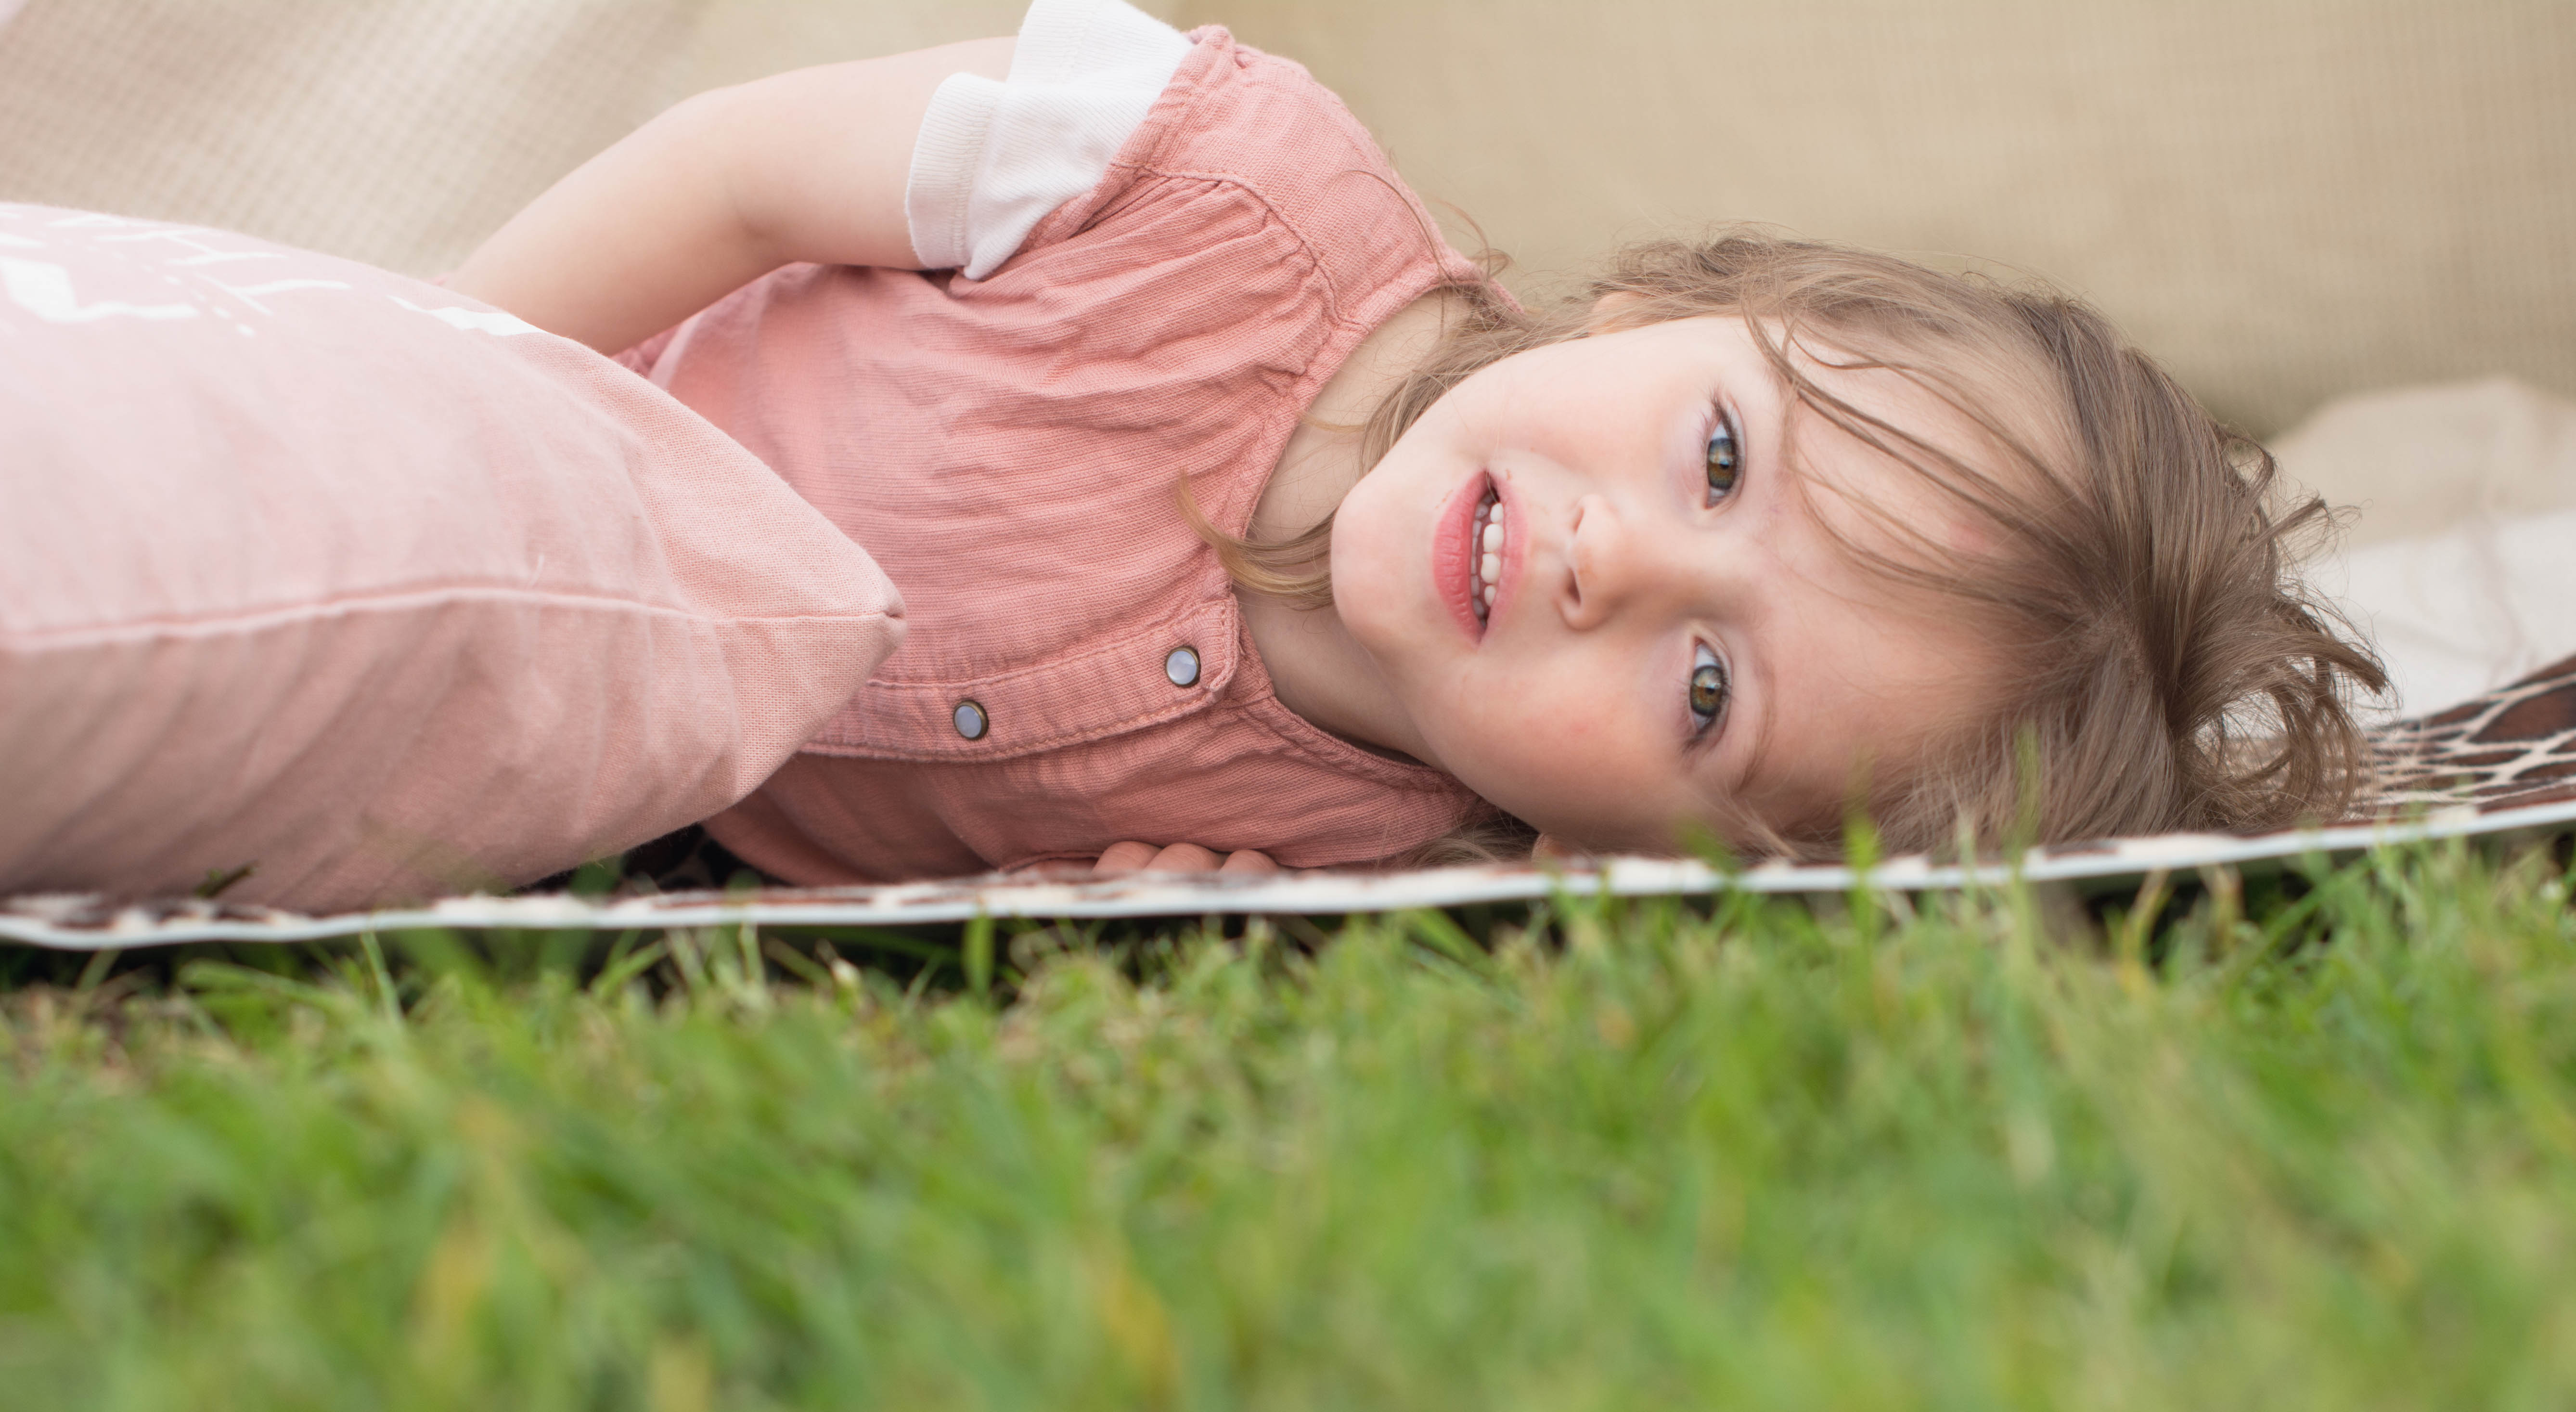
(720, 190)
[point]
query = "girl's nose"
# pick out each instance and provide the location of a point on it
(1599, 563)
(1616, 559)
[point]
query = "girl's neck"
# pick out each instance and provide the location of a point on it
(1317, 669)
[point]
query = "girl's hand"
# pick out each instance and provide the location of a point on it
(1181, 858)
(720, 190)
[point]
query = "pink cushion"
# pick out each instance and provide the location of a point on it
(332, 574)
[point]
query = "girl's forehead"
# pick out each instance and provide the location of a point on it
(1918, 421)
(1888, 513)
(1936, 392)
(1936, 427)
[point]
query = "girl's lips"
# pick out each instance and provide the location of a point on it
(1451, 552)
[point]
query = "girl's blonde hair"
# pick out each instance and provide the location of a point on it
(2169, 670)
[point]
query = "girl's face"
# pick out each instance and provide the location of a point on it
(1674, 634)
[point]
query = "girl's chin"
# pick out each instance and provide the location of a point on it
(1379, 606)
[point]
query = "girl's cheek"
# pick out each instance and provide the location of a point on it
(1576, 737)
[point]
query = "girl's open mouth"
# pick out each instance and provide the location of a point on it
(1468, 561)
(1485, 555)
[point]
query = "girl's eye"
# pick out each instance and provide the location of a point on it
(1707, 689)
(1723, 458)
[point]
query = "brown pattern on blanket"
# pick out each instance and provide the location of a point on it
(2513, 747)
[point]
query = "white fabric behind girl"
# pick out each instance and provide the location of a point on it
(994, 158)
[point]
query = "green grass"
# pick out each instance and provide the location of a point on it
(2311, 1147)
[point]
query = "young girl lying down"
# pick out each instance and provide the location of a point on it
(1240, 518)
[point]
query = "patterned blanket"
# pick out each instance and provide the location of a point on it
(2511, 748)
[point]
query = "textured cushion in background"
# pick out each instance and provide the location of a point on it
(325, 572)
(398, 132)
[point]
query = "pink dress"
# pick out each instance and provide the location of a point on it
(1009, 449)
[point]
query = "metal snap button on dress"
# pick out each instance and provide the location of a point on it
(1182, 666)
(971, 721)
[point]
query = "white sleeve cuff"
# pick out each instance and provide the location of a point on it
(993, 159)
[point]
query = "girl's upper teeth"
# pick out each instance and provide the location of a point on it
(1487, 567)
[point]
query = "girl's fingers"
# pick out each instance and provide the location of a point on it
(1124, 858)
(1184, 858)
(1133, 857)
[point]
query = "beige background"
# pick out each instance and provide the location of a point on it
(2286, 199)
